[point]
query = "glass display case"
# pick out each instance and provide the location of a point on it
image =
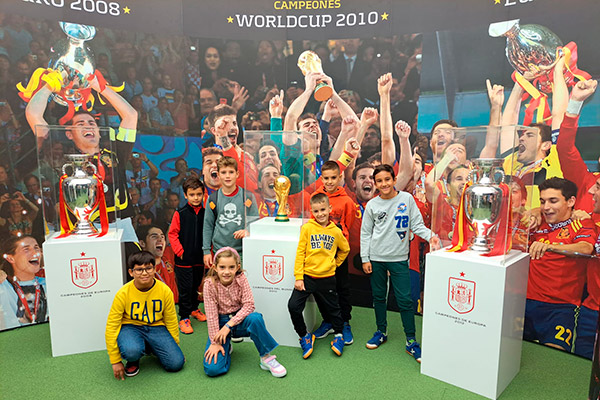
(85, 166)
(482, 186)
(269, 157)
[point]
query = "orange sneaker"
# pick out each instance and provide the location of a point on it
(185, 326)
(199, 315)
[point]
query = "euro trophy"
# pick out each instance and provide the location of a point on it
(282, 190)
(79, 192)
(483, 201)
(75, 61)
(529, 48)
(309, 61)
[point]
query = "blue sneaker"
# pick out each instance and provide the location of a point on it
(325, 329)
(306, 343)
(337, 345)
(347, 333)
(377, 340)
(414, 349)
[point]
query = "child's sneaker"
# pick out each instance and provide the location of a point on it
(325, 329)
(199, 315)
(236, 339)
(347, 333)
(271, 364)
(337, 345)
(414, 349)
(377, 340)
(306, 343)
(132, 368)
(185, 326)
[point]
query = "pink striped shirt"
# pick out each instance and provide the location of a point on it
(219, 299)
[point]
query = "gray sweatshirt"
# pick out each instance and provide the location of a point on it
(230, 217)
(386, 226)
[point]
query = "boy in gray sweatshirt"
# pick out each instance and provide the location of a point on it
(384, 246)
(225, 215)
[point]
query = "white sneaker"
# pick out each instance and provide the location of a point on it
(271, 364)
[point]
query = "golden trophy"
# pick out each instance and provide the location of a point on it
(309, 61)
(282, 190)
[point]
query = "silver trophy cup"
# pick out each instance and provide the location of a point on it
(483, 201)
(74, 59)
(79, 191)
(529, 48)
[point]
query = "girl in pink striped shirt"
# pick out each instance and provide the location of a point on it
(229, 307)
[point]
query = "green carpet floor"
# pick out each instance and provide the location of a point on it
(28, 371)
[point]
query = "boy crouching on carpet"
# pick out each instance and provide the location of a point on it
(142, 320)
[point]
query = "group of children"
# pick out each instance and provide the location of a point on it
(143, 319)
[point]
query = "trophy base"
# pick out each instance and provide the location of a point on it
(282, 218)
(83, 229)
(480, 245)
(323, 92)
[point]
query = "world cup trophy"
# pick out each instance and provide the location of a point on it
(282, 190)
(483, 202)
(309, 61)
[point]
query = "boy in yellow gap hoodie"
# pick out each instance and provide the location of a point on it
(142, 320)
(321, 249)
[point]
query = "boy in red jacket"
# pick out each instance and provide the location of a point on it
(185, 236)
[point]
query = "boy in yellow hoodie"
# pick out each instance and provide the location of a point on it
(321, 249)
(143, 319)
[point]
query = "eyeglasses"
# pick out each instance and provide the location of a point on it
(140, 271)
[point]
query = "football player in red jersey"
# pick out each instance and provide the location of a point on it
(556, 280)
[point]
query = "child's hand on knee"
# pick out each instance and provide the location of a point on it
(212, 352)
(299, 285)
(221, 336)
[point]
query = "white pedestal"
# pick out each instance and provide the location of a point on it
(473, 319)
(82, 276)
(269, 257)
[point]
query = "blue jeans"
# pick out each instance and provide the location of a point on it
(254, 327)
(136, 341)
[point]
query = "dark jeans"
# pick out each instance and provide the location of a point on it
(136, 340)
(327, 300)
(188, 281)
(342, 286)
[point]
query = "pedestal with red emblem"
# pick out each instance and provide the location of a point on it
(268, 259)
(83, 274)
(473, 319)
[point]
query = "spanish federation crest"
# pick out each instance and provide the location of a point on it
(273, 269)
(84, 272)
(461, 295)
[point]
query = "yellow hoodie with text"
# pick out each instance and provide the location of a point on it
(320, 250)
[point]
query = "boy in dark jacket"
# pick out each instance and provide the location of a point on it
(185, 236)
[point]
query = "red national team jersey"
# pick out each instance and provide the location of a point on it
(593, 274)
(414, 261)
(556, 278)
(167, 272)
(354, 261)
